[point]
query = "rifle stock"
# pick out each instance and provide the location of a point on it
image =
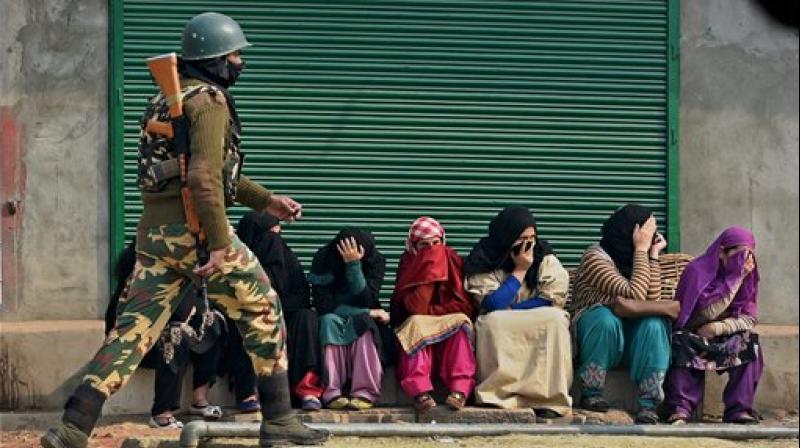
(164, 69)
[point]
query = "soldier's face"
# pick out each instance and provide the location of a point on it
(235, 58)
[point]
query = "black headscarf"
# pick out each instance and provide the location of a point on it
(215, 71)
(617, 238)
(328, 261)
(280, 263)
(493, 251)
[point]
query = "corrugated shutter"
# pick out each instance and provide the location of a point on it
(372, 113)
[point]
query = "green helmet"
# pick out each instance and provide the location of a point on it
(209, 35)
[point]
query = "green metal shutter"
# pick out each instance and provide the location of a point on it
(372, 113)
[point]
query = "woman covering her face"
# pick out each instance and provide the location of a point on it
(431, 313)
(520, 287)
(718, 293)
(261, 233)
(622, 267)
(346, 277)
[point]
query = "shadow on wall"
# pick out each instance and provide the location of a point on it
(783, 11)
(16, 393)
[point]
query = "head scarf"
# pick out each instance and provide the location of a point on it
(705, 280)
(327, 260)
(617, 240)
(423, 228)
(271, 250)
(492, 251)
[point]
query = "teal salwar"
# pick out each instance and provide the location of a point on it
(606, 341)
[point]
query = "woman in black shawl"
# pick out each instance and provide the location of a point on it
(520, 287)
(261, 233)
(346, 277)
(195, 333)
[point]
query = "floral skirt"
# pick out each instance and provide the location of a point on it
(719, 353)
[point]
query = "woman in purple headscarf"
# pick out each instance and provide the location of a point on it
(718, 293)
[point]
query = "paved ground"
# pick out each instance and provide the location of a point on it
(23, 431)
(113, 437)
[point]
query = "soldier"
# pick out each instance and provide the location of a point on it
(167, 252)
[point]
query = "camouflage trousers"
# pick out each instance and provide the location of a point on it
(165, 257)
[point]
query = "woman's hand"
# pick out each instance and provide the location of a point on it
(706, 331)
(659, 245)
(379, 315)
(749, 264)
(350, 250)
(643, 235)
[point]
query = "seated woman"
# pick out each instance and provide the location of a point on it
(523, 343)
(346, 277)
(431, 315)
(718, 293)
(195, 333)
(261, 233)
(622, 268)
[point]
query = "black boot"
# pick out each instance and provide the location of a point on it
(279, 425)
(80, 415)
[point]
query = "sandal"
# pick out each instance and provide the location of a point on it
(678, 418)
(595, 403)
(547, 414)
(360, 404)
(424, 402)
(647, 416)
(743, 418)
(456, 401)
(249, 405)
(165, 423)
(310, 403)
(207, 411)
(338, 403)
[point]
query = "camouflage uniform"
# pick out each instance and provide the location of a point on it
(166, 256)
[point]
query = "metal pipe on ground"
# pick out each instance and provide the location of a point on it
(195, 431)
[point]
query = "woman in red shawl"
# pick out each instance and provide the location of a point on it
(431, 315)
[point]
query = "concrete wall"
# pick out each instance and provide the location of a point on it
(739, 139)
(53, 96)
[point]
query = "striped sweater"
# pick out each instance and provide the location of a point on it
(598, 282)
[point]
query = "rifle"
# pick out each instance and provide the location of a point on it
(164, 69)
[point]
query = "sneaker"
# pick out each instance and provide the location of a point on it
(165, 423)
(310, 403)
(287, 430)
(360, 404)
(64, 435)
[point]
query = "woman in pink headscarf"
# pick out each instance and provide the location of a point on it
(718, 294)
(431, 315)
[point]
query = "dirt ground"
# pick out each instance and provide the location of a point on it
(112, 436)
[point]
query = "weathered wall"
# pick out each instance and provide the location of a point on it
(53, 92)
(739, 139)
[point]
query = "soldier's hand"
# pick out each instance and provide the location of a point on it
(284, 208)
(215, 261)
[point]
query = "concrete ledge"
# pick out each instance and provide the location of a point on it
(43, 361)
